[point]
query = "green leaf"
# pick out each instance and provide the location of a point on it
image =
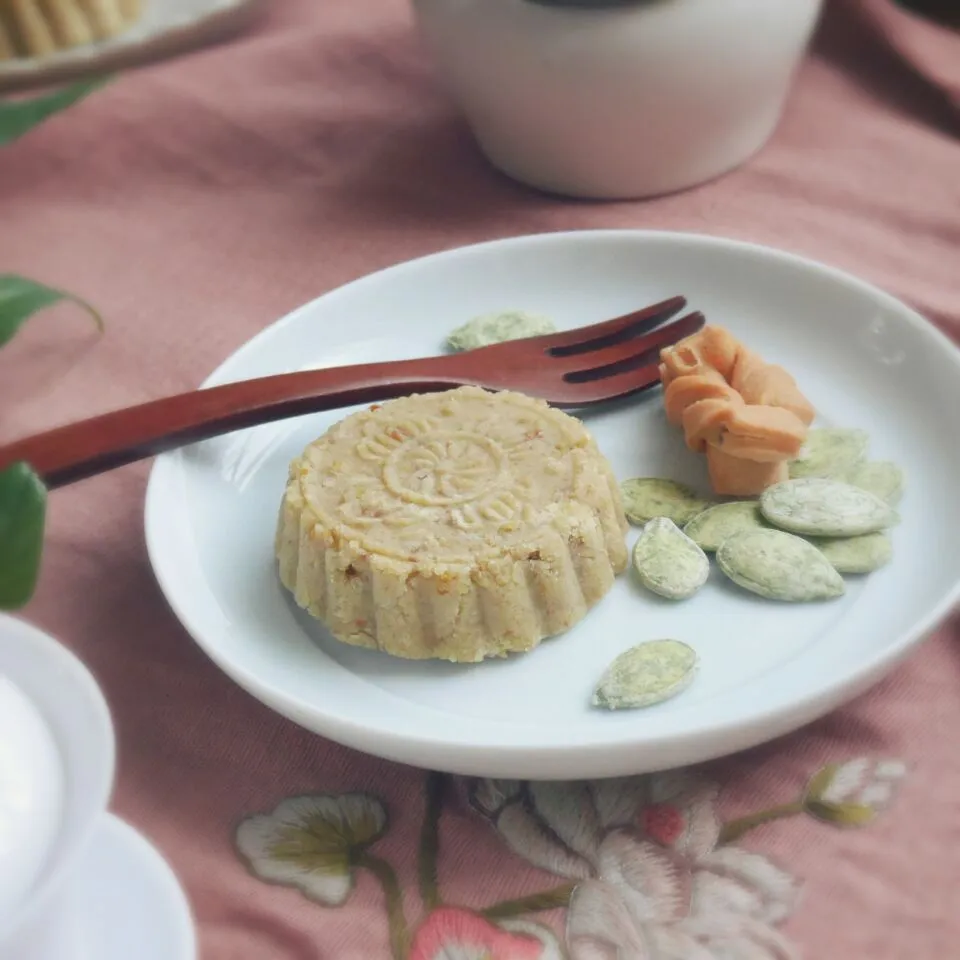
(23, 508)
(18, 117)
(21, 298)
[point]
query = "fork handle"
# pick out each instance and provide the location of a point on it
(88, 447)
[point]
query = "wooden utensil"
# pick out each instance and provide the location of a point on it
(575, 368)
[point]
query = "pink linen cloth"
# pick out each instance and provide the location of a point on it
(197, 200)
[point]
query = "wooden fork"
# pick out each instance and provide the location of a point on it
(576, 368)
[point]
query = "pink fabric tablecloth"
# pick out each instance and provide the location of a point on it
(196, 201)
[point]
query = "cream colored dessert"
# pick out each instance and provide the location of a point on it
(457, 525)
(35, 28)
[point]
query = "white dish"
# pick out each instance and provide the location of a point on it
(31, 794)
(126, 901)
(72, 708)
(103, 892)
(863, 358)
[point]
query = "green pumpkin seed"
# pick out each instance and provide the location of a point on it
(710, 528)
(647, 497)
(857, 554)
(818, 507)
(881, 478)
(830, 452)
(779, 566)
(668, 562)
(498, 328)
(646, 674)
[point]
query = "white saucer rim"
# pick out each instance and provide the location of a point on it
(148, 858)
(70, 663)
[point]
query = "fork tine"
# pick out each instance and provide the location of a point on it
(586, 338)
(593, 364)
(617, 387)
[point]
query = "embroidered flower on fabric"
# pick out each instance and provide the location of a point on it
(851, 794)
(650, 872)
(653, 882)
(311, 842)
(452, 933)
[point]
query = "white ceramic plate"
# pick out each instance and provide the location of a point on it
(863, 358)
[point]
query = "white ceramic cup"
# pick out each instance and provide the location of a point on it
(620, 102)
(71, 704)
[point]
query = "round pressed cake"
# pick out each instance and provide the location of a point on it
(456, 525)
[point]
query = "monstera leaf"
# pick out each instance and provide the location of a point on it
(20, 116)
(23, 503)
(21, 298)
(23, 497)
(22, 494)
